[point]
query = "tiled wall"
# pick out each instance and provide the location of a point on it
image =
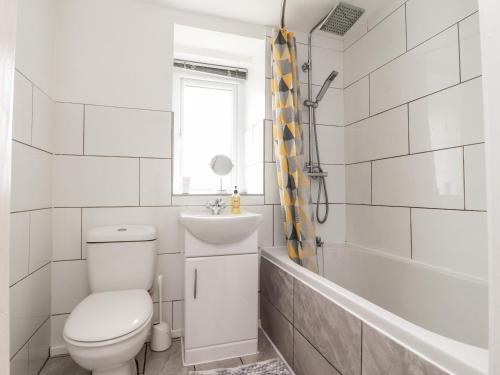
(113, 153)
(31, 199)
(414, 141)
(318, 337)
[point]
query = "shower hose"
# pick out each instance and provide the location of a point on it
(322, 179)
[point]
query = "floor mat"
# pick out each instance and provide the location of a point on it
(271, 367)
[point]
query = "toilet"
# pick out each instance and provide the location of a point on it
(107, 329)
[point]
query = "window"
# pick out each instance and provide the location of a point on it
(206, 125)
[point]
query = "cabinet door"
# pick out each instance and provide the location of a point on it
(220, 300)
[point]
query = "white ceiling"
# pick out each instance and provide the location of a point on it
(300, 14)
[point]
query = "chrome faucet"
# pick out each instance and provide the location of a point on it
(217, 206)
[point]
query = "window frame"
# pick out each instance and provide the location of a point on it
(181, 79)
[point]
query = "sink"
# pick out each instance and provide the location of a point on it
(220, 229)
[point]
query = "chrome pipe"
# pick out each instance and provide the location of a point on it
(283, 8)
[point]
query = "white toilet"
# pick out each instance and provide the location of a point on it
(107, 329)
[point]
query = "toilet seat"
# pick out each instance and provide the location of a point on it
(109, 317)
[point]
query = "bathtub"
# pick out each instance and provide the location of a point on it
(439, 316)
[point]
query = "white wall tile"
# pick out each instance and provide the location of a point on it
(426, 18)
(378, 137)
(470, 47)
(23, 109)
(333, 231)
(380, 45)
(178, 316)
(279, 234)
(269, 103)
(38, 348)
(156, 182)
(31, 178)
(165, 219)
(324, 61)
(40, 238)
(271, 191)
(378, 15)
(29, 306)
(35, 41)
(385, 229)
(131, 41)
(433, 179)
(428, 68)
(43, 121)
(358, 183)
(359, 29)
(127, 132)
(357, 101)
(19, 364)
(268, 141)
(335, 184)
(266, 226)
(449, 118)
(19, 246)
(66, 233)
(331, 144)
(69, 285)
(68, 137)
(475, 177)
(57, 323)
(171, 266)
(455, 240)
(95, 181)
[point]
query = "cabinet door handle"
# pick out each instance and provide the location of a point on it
(195, 282)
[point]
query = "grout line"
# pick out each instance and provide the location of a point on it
(36, 148)
(459, 57)
(411, 236)
(83, 130)
(415, 153)
(408, 123)
(31, 209)
(415, 207)
(463, 173)
(29, 274)
(32, 112)
(81, 233)
(406, 27)
(361, 347)
(139, 180)
(114, 106)
(115, 156)
(371, 182)
(33, 334)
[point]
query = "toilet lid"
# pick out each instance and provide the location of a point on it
(108, 315)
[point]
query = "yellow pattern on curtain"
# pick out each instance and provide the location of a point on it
(294, 184)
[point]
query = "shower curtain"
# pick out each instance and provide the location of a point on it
(294, 184)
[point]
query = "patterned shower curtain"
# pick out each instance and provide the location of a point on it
(294, 184)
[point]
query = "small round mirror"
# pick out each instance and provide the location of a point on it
(221, 165)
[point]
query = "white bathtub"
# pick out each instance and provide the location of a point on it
(438, 315)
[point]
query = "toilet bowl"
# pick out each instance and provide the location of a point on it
(106, 330)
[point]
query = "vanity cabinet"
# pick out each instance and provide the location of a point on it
(220, 299)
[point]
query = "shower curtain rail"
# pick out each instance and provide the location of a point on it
(283, 7)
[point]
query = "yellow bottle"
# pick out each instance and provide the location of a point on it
(235, 201)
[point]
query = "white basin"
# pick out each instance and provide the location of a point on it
(220, 229)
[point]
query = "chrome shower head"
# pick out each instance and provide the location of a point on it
(326, 85)
(341, 18)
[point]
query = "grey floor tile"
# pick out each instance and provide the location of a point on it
(266, 351)
(168, 362)
(62, 366)
(225, 363)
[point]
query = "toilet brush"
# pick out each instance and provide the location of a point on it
(161, 339)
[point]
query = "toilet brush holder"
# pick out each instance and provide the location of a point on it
(161, 338)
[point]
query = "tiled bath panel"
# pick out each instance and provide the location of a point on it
(168, 362)
(327, 339)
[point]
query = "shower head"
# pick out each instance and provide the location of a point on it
(326, 85)
(340, 19)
